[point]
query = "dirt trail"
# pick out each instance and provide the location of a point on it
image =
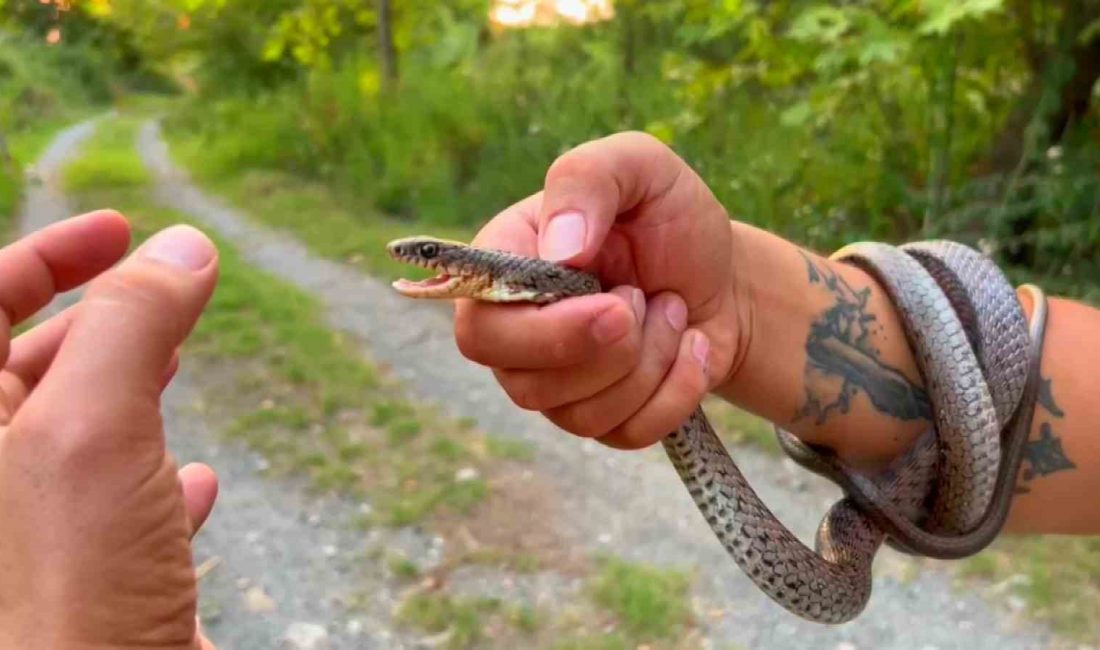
(629, 504)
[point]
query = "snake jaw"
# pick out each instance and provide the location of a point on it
(441, 286)
(454, 280)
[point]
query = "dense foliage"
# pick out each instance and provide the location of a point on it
(827, 122)
(50, 72)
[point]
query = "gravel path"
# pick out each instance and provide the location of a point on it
(631, 504)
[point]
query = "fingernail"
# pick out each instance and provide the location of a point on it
(700, 349)
(564, 237)
(180, 246)
(676, 313)
(610, 326)
(637, 301)
(636, 298)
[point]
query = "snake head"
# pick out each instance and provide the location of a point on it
(483, 274)
(448, 258)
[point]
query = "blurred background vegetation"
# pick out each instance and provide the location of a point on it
(825, 122)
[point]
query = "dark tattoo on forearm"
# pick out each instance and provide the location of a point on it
(839, 347)
(1046, 399)
(1044, 455)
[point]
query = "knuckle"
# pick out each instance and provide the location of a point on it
(562, 351)
(577, 163)
(468, 337)
(523, 391)
(663, 354)
(643, 141)
(692, 387)
(142, 295)
(137, 286)
(76, 445)
(637, 434)
(581, 420)
(629, 349)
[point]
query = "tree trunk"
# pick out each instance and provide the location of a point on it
(943, 132)
(1075, 94)
(6, 157)
(628, 65)
(385, 43)
(1072, 98)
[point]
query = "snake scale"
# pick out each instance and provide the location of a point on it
(947, 496)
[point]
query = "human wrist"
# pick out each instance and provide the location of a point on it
(801, 335)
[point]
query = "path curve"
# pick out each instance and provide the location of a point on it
(629, 503)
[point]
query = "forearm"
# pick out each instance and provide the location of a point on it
(825, 357)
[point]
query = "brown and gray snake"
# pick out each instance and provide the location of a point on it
(946, 497)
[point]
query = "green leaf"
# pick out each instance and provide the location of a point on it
(943, 15)
(1091, 31)
(821, 24)
(797, 115)
(661, 130)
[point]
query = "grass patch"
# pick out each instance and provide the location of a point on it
(1055, 577)
(606, 641)
(416, 500)
(515, 561)
(525, 619)
(403, 568)
(635, 606)
(110, 164)
(471, 622)
(649, 603)
(463, 620)
(297, 391)
(739, 427)
(509, 448)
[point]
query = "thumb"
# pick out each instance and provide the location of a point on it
(130, 322)
(588, 188)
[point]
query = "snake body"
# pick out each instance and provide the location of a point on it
(992, 323)
(947, 496)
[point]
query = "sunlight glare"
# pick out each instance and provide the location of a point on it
(528, 13)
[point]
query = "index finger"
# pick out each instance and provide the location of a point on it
(55, 259)
(551, 336)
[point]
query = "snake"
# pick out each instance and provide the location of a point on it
(947, 495)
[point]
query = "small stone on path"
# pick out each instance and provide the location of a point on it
(305, 636)
(257, 601)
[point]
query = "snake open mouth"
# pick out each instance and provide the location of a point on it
(436, 255)
(442, 284)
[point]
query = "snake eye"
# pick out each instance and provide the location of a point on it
(429, 250)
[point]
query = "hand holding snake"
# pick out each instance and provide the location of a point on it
(619, 366)
(662, 230)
